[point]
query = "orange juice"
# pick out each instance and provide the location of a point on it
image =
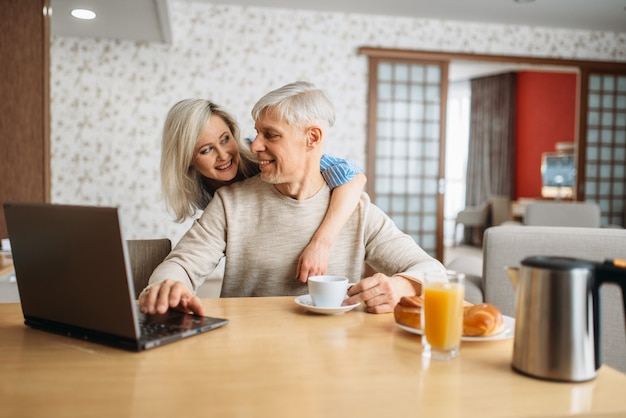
(443, 314)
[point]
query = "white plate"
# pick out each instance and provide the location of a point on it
(507, 332)
(306, 302)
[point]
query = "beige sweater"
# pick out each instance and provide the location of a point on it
(262, 233)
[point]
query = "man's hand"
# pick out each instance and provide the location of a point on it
(169, 294)
(380, 293)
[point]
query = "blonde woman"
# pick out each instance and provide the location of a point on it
(202, 151)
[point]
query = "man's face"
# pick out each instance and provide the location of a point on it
(280, 149)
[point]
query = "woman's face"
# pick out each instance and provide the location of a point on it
(216, 155)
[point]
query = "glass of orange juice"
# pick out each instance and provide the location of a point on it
(442, 314)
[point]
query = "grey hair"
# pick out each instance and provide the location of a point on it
(183, 188)
(297, 103)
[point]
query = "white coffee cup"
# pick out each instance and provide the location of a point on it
(328, 291)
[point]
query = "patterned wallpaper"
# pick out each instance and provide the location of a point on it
(109, 98)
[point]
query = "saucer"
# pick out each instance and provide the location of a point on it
(506, 333)
(306, 302)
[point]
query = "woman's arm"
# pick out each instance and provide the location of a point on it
(348, 182)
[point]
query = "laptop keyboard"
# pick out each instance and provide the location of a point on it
(163, 325)
(152, 330)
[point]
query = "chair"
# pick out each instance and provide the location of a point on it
(145, 255)
(500, 210)
(582, 214)
(473, 216)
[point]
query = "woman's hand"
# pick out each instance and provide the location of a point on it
(313, 261)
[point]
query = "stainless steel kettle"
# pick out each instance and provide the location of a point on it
(557, 316)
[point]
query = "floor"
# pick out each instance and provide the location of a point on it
(451, 253)
(8, 286)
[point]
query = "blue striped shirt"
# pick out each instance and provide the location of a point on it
(337, 171)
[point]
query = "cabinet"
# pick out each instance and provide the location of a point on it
(25, 104)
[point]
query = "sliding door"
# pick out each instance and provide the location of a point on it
(603, 165)
(405, 146)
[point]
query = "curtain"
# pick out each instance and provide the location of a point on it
(491, 150)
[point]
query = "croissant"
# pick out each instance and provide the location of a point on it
(480, 320)
(408, 311)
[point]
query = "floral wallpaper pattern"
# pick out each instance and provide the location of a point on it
(109, 98)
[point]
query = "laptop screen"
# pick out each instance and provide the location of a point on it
(71, 265)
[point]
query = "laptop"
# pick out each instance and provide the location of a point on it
(74, 278)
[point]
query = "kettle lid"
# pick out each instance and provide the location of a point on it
(557, 263)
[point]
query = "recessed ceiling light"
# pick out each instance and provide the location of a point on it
(83, 14)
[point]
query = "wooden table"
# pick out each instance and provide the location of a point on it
(274, 359)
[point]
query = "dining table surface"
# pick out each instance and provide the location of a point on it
(274, 358)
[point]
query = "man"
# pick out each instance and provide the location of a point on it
(262, 224)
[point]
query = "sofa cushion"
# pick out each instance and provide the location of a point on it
(472, 268)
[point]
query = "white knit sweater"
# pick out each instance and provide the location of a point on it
(262, 233)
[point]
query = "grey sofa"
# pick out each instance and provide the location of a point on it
(507, 245)
(542, 213)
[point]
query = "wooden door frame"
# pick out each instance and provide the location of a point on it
(584, 67)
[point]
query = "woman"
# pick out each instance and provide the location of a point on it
(202, 151)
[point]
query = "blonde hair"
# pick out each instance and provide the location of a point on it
(183, 187)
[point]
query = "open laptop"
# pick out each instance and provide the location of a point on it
(74, 278)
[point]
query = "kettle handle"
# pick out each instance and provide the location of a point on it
(611, 271)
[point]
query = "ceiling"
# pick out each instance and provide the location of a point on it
(148, 20)
(133, 20)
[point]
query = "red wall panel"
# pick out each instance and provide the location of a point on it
(546, 115)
